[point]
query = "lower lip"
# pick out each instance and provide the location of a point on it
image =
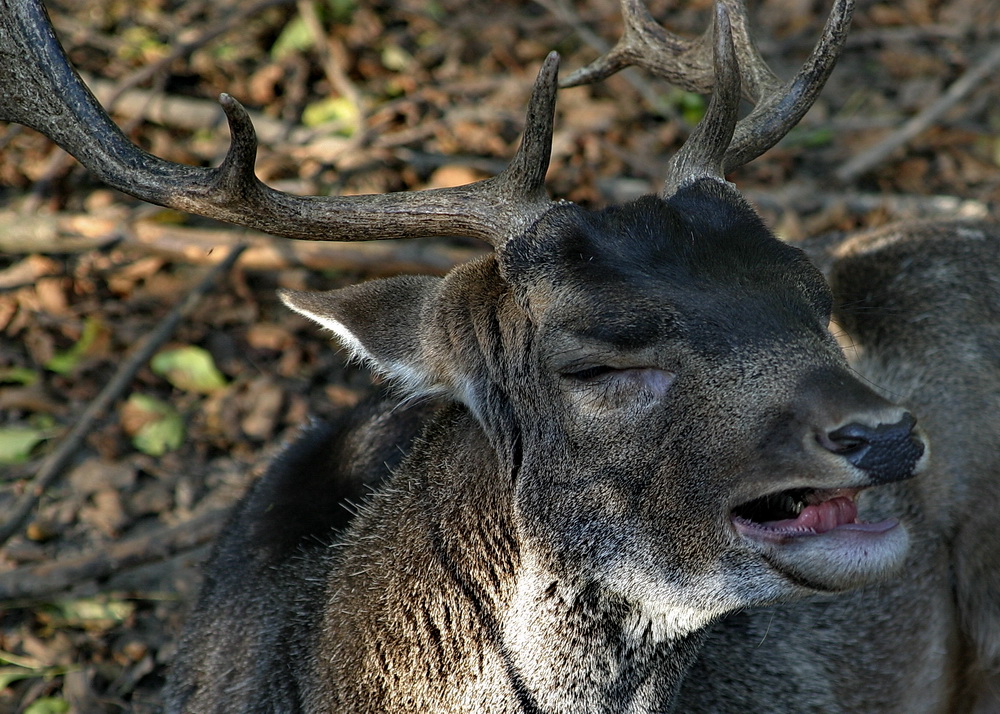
(784, 531)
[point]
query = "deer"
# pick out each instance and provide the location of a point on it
(918, 304)
(614, 449)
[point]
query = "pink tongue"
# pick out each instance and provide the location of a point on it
(821, 517)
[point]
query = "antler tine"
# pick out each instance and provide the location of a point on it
(39, 88)
(781, 106)
(644, 43)
(704, 152)
(688, 64)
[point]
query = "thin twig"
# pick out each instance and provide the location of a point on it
(874, 155)
(47, 578)
(57, 460)
(227, 23)
(330, 58)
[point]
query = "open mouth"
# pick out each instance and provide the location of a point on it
(815, 540)
(803, 512)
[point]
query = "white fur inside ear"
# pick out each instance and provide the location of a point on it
(346, 337)
(410, 379)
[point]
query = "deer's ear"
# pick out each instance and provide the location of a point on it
(379, 322)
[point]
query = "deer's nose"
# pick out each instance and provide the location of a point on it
(888, 452)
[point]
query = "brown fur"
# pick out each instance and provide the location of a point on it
(558, 535)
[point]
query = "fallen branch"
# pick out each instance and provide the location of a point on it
(874, 155)
(190, 114)
(264, 252)
(54, 463)
(25, 234)
(45, 579)
(808, 199)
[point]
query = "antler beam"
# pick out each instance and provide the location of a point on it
(39, 88)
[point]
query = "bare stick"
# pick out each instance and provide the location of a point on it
(47, 578)
(57, 460)
(330, 58)
(227, 23)
(873, 156)
(264, 252)
(896, 206)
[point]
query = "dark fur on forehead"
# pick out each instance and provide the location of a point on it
(706, 234)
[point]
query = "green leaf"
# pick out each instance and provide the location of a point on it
(162, 429)
(65, 362)
(294, 37)
(23, 667)
(19, 375)
(395, 58)
(140, 43)
(333, 109)
(341, 11)
(20, 661)
(692, 106)
(16, 443)
(159, 437)
(189, 368)
(9, 675)
(93, 612)
(48, 705)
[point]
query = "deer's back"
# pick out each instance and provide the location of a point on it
(263, 595)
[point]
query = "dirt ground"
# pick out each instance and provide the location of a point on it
(350, 97)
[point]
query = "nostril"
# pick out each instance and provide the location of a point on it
(889, 452)
(849, 439)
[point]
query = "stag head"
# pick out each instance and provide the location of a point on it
(650, 371)
(657, 379)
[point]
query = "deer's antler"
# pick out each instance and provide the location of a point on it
(39, 88)
(689, 63)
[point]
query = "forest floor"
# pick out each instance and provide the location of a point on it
(349, 97)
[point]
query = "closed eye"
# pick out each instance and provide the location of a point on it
(652, 381)
(590, 373)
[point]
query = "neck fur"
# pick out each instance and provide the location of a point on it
(578, 649)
